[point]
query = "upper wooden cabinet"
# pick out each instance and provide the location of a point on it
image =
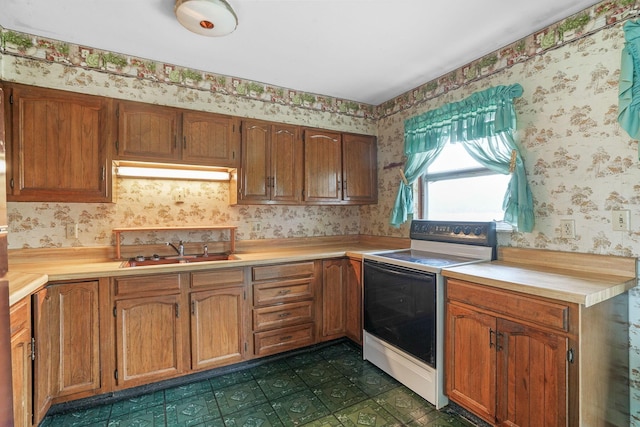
(57, 146)
(154, 133)
(147, 132)
(359, 169)
(339, 168)
(271, 167)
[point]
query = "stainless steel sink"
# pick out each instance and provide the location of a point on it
(185, 259)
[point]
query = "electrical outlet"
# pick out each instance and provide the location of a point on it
(256, 226)
(179, 195)
(620, 220)
(568, 228)
(72, 230)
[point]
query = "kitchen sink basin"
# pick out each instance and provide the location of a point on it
(186, 259)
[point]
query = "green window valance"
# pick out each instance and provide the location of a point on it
(484, 123)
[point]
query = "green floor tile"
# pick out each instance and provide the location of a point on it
(304, 359)
(262, 415)
(97, 416)
(138, 403)
(317, 373)
(232, 378)
(267, 369)
(328, 421)
(328, 387)
(404, 404)
(150, 417)
(239, 397)
(299, 409)
(187, 390)
(367, 413)
(339, 394)
(193, 410)
(280, 384)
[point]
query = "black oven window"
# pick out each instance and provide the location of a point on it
(400, 308)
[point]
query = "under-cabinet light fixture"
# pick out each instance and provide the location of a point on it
(171, 173)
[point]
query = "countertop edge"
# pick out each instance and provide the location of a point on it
(22, 285)
(28, 278)
(495, 275)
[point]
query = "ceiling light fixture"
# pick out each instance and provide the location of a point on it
(211, 18)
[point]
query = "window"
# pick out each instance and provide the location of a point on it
(458, 188)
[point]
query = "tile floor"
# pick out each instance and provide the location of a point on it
(331, 386)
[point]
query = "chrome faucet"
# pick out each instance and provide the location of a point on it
(179, 249)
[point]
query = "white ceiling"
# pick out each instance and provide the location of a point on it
(361, 50)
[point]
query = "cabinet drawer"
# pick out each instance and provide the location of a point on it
(541, 312)
(283, 271)
(282, 315)
(232, 276)
(280, 292)
(283, 339)
(141, 284)
(19, 316)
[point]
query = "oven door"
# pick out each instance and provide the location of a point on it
(400, 308)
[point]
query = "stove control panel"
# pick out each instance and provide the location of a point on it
(471, 233)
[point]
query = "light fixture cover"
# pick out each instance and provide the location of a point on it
(211, 18)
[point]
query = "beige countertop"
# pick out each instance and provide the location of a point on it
(27, 276)
(578, 278)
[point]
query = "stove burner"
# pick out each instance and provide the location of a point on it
(427, 258)
(140, 258)
(155, 257)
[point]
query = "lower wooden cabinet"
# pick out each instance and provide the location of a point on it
(353, 325)
(217, 318)
(283, 306)
(100, 336)
(334, 307)
(21, 362)
(43, 389)
(75, 344)
(521, 360)
(506, 371)
(149, 334)
(66, 323)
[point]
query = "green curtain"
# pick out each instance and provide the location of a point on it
(485, 123)
(629, 83)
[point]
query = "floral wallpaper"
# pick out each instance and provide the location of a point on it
(579, 162)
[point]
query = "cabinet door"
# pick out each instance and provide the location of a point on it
(532, 376)
(209, 139)
(217, 325)
(359, 168)
(470, 361)
(322, 166)
(334, 283)
(353, 326)
(58, 146)
(42, 307)
(286, 164)
(75, 338)
(255, 175)
(147, 132)
(148, 340)
(20, 316)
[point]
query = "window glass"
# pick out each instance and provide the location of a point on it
(458, 188)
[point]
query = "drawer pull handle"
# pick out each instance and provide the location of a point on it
(284, 291)
(286, 338)
(287, 314)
